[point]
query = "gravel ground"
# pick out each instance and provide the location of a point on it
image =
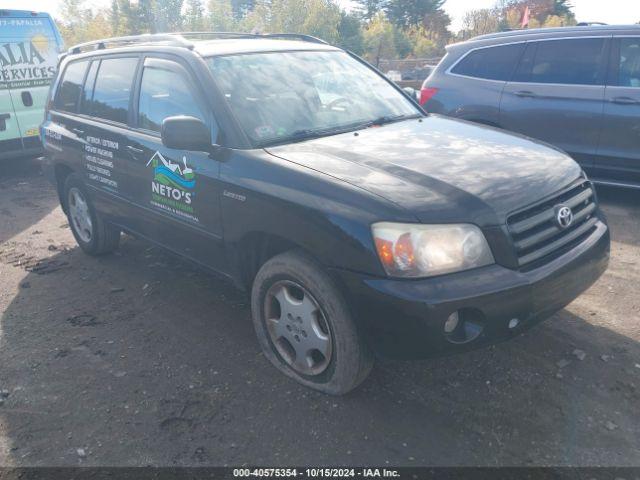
(133, 359)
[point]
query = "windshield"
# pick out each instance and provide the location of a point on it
(281, 97)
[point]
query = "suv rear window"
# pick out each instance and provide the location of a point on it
(68, 93)
(493, 63)
(112, 91)
(568, 62)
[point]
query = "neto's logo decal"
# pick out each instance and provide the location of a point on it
(172, 185)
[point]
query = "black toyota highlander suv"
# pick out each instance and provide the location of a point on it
(359, 224)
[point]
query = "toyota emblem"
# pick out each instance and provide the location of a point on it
(564, 216)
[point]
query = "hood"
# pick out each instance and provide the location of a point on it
(442, 170)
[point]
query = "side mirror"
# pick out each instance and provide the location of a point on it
(186, 133)
(412, 92)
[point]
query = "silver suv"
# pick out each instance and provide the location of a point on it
(577, 88)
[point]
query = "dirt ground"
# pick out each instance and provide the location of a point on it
(133, 359)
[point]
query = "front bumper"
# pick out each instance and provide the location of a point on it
(405, 318)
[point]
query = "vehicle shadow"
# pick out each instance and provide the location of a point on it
(19, 179)
(140, 359)
(622, 207)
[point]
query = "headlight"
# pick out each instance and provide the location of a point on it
(414, 250)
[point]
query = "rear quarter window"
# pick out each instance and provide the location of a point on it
(70, 87)
(492, 63)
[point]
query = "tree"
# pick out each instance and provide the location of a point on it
(423, 47)
(221, 16)
(479, 22)
(320, 18)
(79, 24)
(562, 8)
(511, 12)
(402, 42)
(167, 15)
(436, 27)
(367, 9)
(350, 33)
(193, 20)
(241, 8)
(379, 39)
(412, 13)
(114, 17)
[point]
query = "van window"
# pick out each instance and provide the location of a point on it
(68, 93)
(493, 63)
(164, 93)
(629, 66)
(569, 62)
(112, 91)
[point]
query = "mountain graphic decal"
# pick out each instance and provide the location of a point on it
(172, 174)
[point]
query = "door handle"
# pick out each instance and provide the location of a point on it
(78, 131)
(134, 150)
(27, 99)
(525, 94)
(625, 101)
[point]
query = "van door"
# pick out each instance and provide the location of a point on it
(10, 138)
(176, 192)
(618, 156)
(29, 54)
(556, 94)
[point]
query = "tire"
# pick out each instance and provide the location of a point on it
(294, 277)
(95, 237)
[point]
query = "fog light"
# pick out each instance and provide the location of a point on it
(452, 322)
(513, 323)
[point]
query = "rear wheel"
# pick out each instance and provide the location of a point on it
(304, 325)
(93, 234)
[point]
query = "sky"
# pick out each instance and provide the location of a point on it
(609, 11)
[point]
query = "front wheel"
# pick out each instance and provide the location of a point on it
(93, 234)
(304, 325)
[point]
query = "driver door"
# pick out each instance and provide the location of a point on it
(175, 192)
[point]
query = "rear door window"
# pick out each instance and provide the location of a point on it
(112, 91)
(493, 63)
(629, 63)
(87, 93)
(68, 93)
(568, 62)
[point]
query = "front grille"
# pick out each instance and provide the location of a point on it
(536, 233)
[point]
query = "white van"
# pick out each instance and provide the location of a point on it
(29, 47)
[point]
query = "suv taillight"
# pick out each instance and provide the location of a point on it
(426, 93)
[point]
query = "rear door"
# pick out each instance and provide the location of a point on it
(176, 193)
(556, 94)
(106, 113)
(618, 156)
(28, 53)
(64, 131)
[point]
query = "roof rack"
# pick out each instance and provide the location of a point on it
(147, 38)
(214, 35)
(180, 39)
(541, 31)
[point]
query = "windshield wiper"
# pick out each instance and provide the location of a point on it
(389, 119)
(307, 133)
